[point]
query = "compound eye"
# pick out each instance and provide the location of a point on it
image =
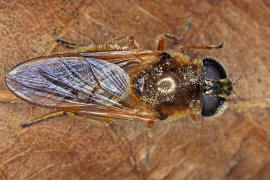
(213, 70)
(211, 105)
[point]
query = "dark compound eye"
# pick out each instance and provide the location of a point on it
(213, 70)
(211, 104)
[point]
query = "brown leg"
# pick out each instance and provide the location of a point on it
(107, 122)
(111, 45)
(161, 40)
(58, 114)
(49, 116)
(150, 124)
(176, 39)
(88, 48)
(79, 48)
(192, 46)
(192, 117)
(132, 44)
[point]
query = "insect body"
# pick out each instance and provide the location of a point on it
(110, 82)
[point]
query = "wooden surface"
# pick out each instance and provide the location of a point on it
(233, 146)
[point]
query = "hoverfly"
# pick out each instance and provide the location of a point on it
(109, 82)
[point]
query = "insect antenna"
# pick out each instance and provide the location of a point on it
(235, 83)
(236, 95)
(240, 77)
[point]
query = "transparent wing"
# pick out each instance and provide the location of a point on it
(83, 84)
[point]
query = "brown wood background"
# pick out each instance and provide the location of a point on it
(233, 146)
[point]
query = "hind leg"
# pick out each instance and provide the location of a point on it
(46, 117)
(112, 45)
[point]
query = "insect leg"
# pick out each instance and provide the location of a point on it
(108, 46)
(150, 124)
(89, 48)
(89, 120)
(161, 40)
(192, 46)
(49, 116)
(192, 117)
(68, 44)
(132, 44)
(176, 39)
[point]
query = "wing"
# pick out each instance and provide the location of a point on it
(97, 84)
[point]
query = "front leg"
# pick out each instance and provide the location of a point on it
(161, 40)
(207, 47)
(176, 39)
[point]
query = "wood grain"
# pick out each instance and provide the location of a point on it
(233, 146)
